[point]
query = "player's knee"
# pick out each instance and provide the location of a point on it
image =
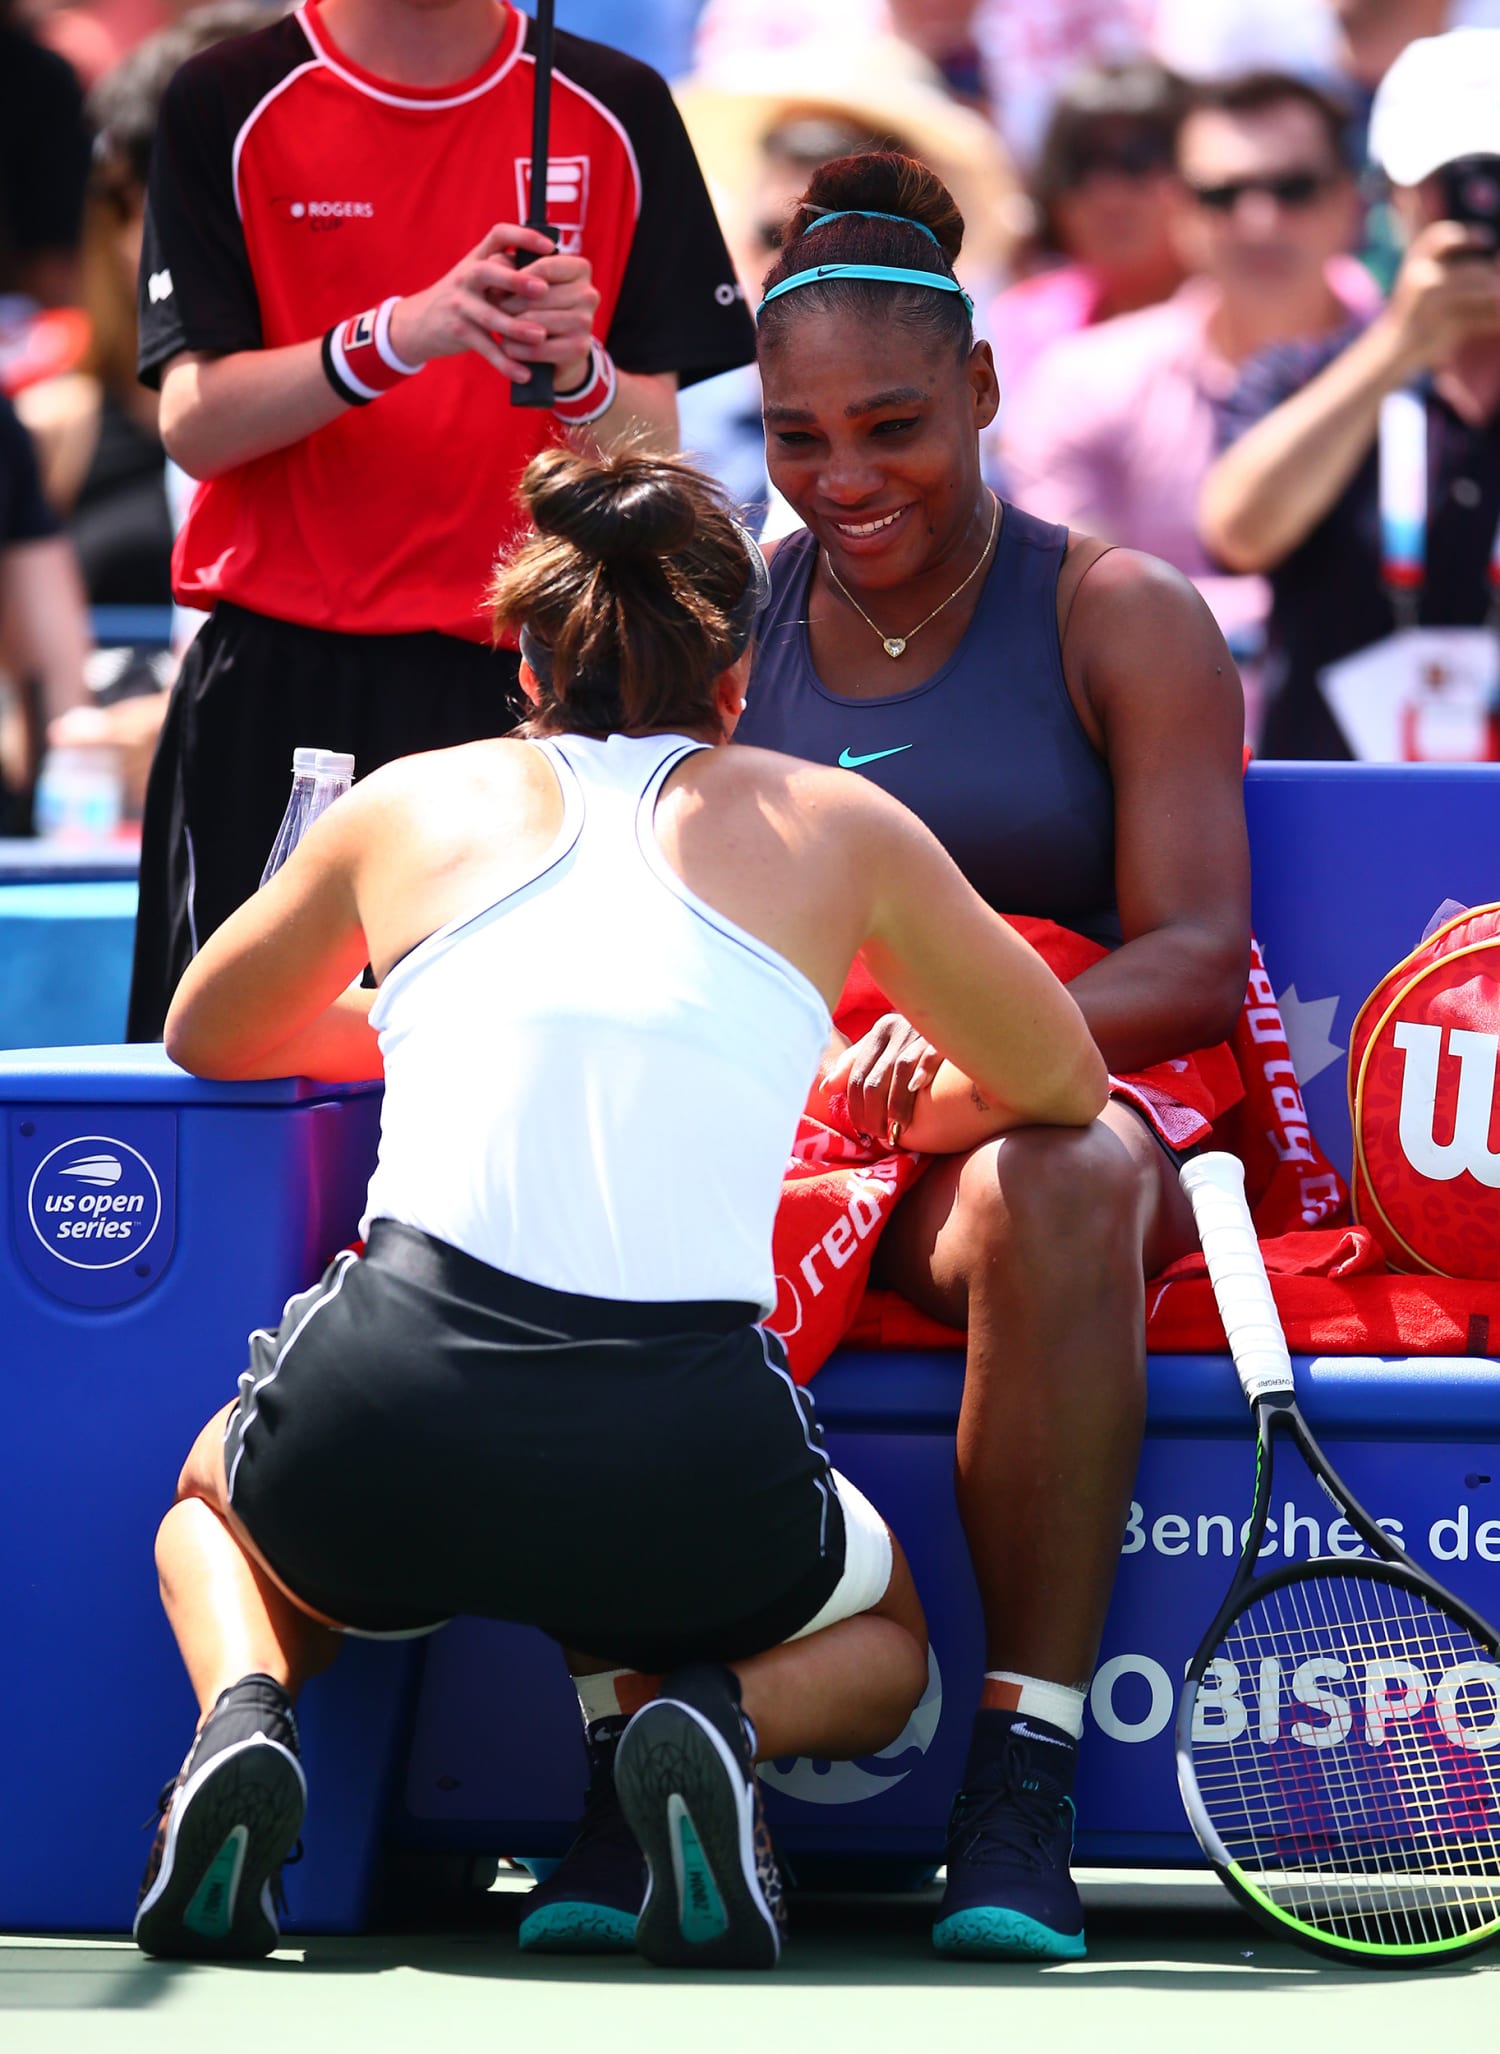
(1055, 1192)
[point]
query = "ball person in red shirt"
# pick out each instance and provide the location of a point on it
(333, 308)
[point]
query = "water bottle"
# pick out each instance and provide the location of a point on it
(319, 776)
(80, 794)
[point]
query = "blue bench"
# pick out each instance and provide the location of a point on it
(470, 1742)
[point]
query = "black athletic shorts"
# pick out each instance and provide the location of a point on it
(250, 691)
(426, 1436)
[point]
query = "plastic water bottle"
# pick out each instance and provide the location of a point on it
(319, 776)
(80, 794)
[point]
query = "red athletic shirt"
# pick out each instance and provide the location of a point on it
(290, 190)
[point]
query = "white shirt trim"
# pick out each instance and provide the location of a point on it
(326, 57)
(254, 115)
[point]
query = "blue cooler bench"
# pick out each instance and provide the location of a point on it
(152, 1220)
(476, 1732)
(1349, 862)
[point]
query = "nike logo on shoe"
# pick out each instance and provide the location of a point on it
(1030, 1733)
(848, 762)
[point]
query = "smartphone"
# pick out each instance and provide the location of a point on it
(1471, 195)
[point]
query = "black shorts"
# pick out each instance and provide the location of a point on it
(250, 691)
(425, 1436)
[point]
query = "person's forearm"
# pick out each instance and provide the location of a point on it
(1268, 492)
(953, 1115)
(44, 614)
(217, 412)
(1158, 997)
(644, 410)
(338, 1047)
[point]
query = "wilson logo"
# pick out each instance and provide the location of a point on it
(1473, 1111)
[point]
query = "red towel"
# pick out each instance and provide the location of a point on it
(839, 1192)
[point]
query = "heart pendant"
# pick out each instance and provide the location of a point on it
(895, 645)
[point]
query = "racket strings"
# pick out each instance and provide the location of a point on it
(1346, 1749)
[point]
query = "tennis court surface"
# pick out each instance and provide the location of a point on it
(1169, 1960)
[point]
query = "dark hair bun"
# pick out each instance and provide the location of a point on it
(634, 508)
(884, 182)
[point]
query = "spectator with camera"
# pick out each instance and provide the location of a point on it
(1364, 478)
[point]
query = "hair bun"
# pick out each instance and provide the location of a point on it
(635, 508)
(884, 182)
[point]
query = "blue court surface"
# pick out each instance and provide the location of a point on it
(1171, 1966)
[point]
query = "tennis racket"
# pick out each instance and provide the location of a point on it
(537, 391)
(1338, 1744)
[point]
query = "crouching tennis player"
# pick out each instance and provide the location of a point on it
(598, 948)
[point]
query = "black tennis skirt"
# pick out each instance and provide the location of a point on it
(425, 1436)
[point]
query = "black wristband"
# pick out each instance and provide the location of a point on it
(340, 385)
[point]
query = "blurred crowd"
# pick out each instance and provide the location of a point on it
(1174, 224)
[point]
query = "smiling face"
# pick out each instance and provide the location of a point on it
(872, 436)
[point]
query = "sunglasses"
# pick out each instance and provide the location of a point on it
(1135, 157)
(1291, 189)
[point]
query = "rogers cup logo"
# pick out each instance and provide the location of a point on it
(1469, 1149)
(94, 1202)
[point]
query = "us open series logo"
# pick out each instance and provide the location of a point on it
(94, 1202)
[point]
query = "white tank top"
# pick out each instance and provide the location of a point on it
(594, 1083)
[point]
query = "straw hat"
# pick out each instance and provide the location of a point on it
(877, 84)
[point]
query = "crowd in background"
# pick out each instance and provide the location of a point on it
(1158, 195)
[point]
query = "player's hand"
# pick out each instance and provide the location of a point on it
(487, 304)
(881, 1075)
(1446, 293)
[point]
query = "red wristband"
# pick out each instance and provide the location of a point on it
(359, 358)
(593, 398)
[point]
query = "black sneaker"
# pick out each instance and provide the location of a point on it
(213, 1879)
(592, 1900)
(1010, 1895)
(686, 1777)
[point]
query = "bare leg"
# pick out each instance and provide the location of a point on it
(229, 1615)
(1039, 1244)
(847, 1690)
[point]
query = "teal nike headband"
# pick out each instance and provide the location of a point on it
(891, 274)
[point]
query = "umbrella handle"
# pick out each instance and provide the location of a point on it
(538, 389)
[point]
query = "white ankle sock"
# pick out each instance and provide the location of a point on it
(1058, 1703)
(597, 1695)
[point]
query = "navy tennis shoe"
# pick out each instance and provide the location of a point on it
(212, 1887)
(1010, 1895)
(686, 1777)
(592, 1900)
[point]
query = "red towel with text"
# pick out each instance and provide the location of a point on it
(839, 1191)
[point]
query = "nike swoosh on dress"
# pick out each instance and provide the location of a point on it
(848, 762)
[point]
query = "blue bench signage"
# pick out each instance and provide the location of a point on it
(94, 1200)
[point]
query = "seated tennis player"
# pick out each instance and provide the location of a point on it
(592, 943)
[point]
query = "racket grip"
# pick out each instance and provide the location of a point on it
(538, 388)
(1215, 1186)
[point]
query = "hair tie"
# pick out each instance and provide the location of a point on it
(870, 214)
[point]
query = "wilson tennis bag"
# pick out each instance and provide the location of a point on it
(1424, 1104)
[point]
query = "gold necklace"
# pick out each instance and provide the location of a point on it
(895, 645)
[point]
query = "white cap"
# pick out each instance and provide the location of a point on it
(322, 763)
(1439, 100)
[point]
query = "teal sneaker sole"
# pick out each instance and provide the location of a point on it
(577, 1928)
(988, 1933)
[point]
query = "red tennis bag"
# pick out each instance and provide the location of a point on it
(1424, 1104)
